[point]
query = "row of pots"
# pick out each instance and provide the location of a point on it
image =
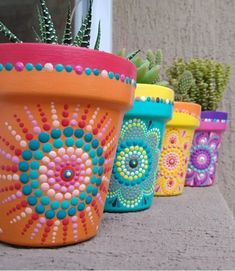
(61, 127)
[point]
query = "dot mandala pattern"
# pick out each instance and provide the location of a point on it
(173, 162)
(59, 170)
(203, 159)
(133, 178)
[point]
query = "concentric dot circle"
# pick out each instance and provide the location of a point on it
(61, 171)
(201, 158)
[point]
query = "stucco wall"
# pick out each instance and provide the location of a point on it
(186, 28)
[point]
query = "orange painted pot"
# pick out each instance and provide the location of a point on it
(175, 153)
(61, 112)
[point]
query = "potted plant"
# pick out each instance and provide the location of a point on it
(178, 138)
(134, 173)
(58, 133)
(210, 80)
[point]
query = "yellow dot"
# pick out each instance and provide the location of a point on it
(140, 174)
(136, 148)
(122, 153)
(126, 150)
(135, 177)
(126, 177)
(119, 169)
(122, 174)
(132, 148)
(119, 158)
(130, 178)
(118, 164)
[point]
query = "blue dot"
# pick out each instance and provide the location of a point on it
(47, 147)
(81, 206)
(33, 174)
(87, 147)
(44, 137)
(95, 161)
(101, 161)
(34, 145)
(68, 132)
(111, 75)
(40, 209)
(99, 151)
(69, 142)
(34, 184)
(29, 66)
(79, 143)
(55, 205)
(72, 211)
(100, 171)
(50, 214)
(89, 188)
(38, 67)
(88, 137)
(95, 191)
(93, 179)
(59, 67)
(127, 80)
(98, 181)
(92, 153)
(38, 193)
(34, 165)
(58, 143)
(88, 199)
(1, 67)
(56, 133)
(27, 155)
(32, 200)
(38, 155)
(117, 76)
(74, 201)
(65, 204)
(23, 166)
(78, 133)
(61, 214)
(45, 200)
(88, 71)
(95, 143)
(95, 170)
(8, 66)
(27, 190)
(96, 72)
(68, 68)
(82, 195)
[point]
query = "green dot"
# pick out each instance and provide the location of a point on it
(69, 142)
(44, 137)
(55, 205)
(24, 178)
(95, 143)
(92, 153)
(34, 165)
(34, 184)
(58, 143)
(95, 170)
(45, 200)
(34, 145)
(93, 179)
(65, 204)
(79, 143)
(87, 147)
(27, 190)
(38, 193)
(47, 147)
(29, 66)
(38, 155)
(74, 201)
(88, 71)
(111, 75)
(72, 211)
(50, 214)
(81, 206)
(56, 133)
(40, 209)
(1, 67)
(78, 133)
(32, 200)
(95, 161)
(88, 137)
(59, 67)
(33, 174)
(23, 166)
(8, 66)
(27, 155)
(61, 214)
(89, 188)
(88, 199)
(82, 195)
(68, 131)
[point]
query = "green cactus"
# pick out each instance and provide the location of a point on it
(209, 81)
(47, 32)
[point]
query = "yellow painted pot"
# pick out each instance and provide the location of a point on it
(176, 149)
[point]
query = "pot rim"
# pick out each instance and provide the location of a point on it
(214, 115)
(188, 107)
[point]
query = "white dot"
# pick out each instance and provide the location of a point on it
(67, 196)
(76, 192)
(82, 187)
(58, 196)
(28, 211)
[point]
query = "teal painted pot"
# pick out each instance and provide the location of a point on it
(135, 167)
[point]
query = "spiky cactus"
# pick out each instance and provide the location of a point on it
(148, 68)
(210, 79)
(47, 32)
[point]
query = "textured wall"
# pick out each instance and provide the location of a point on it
(186, 28)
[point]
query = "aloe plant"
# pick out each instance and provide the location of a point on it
(206, 81)
(47, 31)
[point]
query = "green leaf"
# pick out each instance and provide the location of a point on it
(42, 27)
(151, 76)
(67, 37)
(97, 42)
(132, 54)
(8, 34)
(141, 71)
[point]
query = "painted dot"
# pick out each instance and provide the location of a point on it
(72, 211)
(23, 166)
(27, 190)
(117, 76)
(38, 67)
(65, 204)
(69, 142)
(44, 137)
(96, 72)
(56, 133)
(1, 67)
(79, 143)
(8, 66)
(95, 191)
(40, 209)
(87, 71)
(29, 66)
(59, 67)
(19, 66)
(87, 147)
(38, 155)
(50, 214)
(99, 151)
(111, 75)
(47, 147)
(81, 206)
(45, 186)
(78, 69)
(45, 200)
(68, 68)
(95, 143)
(27, 155)
(24, 178)
(61, 214)
(68, 131)
(58, 143)
(34, 145)
(34, 165)
(78, 133)
(88, 199)
(33, 174)
(48, 67)
(38, 193)
(32, 200)
(88, 137)
(74, 201)
(34, 184)
(104, 73)
(55, 205)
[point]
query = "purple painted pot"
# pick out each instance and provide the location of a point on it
(205, 148)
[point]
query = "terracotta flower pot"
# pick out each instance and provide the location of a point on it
(61, 113)
(134, 172)
(176, 149)
(205, 149)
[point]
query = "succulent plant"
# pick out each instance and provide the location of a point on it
(47, 32)
(207, 79)
(148, 68)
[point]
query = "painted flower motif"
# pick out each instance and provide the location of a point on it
(203, 160)
(134, 170)
(170, 186)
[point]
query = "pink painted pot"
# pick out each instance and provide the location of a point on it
(205, 149)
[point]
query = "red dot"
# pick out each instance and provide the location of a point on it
(35, 216)
(65, 114)
(29, 136)
(42, 114)
(25, 130)
(81, 124)
(65, 222)
(65, 122)
(18, 206)
(47, 229)
(95, 131)
(103, 142)
(82, 214)
(50, 223)
(65, 228)
(24, 203)
(65, 233)
(83, 220)
(46, 127)
(44, 119)
(18, 120)
(12, 147)
(18, 152)
(11, 187)
(14, 168)
(21, 124)
(8, 168)
(98, 125)
(66, 107)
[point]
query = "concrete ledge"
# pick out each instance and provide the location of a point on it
(192, 231)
